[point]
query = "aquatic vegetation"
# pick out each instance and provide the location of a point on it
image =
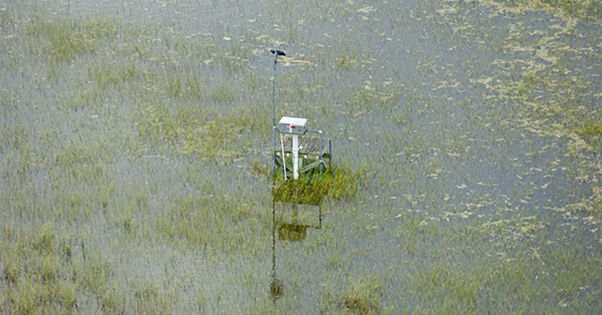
(591, 131)
(362, 297)
(336, 181)
(136, 172)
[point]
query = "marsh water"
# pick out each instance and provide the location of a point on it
(138, 134)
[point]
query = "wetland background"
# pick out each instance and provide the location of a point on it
(135, 156)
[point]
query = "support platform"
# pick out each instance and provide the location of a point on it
(310, 152)
(308, 145)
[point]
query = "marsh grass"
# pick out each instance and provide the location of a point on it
(360, 297)
(590, 130)
(581, 8)
(36, 275)
(135, 172)
(63, 40)
(363, 297)
(215, 225)
(340, 182)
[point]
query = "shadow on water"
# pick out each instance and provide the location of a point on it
(293, 213)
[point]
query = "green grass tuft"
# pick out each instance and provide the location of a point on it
(590, 130)
(339, 182)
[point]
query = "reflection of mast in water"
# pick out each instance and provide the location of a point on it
(289, 231)
(276, 287)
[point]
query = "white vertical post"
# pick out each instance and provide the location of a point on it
(295, 157)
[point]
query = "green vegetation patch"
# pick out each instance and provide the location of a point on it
(590, 130)
(106, 74)
(302, 191)
(34, 273)
(362, 296)
(214, 222)
(209, 136)
(340, 182)
(64, 39)
(573, 8)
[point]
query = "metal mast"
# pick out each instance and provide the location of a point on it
(276, 53)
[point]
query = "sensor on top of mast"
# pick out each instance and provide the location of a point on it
(277, 52)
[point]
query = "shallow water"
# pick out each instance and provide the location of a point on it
(478, 195)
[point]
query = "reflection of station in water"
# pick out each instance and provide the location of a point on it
(299, 189)
(292, 225)
(296, 193)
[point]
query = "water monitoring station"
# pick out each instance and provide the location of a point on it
(294, 140)
(299, 161)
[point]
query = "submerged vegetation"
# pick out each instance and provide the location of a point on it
(136, 173)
